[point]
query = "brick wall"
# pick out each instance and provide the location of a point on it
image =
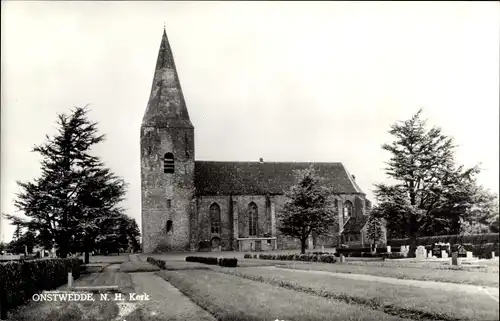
(158, 188)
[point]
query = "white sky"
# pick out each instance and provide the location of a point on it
(286, 81)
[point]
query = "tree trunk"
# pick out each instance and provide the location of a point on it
(303, 244)
(87, 257)
(413, 234)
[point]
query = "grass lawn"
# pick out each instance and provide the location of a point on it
(233, 298)
(80, 310)
(423, 274)
(417, 303)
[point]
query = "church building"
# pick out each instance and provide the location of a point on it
(195, 205)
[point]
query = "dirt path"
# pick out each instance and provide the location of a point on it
(473, 289)
(165, 301)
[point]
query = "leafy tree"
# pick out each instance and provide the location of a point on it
(75, 192)
(431, 193)
(374, 230)
(308, 209)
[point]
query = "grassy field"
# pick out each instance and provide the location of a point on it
(408, 273)
(234, 298)
(414, 302)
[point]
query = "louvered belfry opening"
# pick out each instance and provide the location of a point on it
(168, 163)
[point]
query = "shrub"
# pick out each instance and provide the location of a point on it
(228, 262)
(392, 255)
(159, 263)
(247, 256)
(452, 239)
(19, 280)
(353, 250)
(299, 257)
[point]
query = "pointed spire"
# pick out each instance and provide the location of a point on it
(166, 106)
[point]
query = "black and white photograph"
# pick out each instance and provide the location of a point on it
(249, 160)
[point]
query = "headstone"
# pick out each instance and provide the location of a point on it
(469, 255)
(421, 252)
(444, 254)
(454, 258)
(342, 258)
(388, 249)
(429, 255)
(492, 254)
(322, 248)
(462, 252)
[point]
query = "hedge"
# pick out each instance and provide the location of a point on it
(225, 262)
(452, 239)
(323, 258)
(19, 280)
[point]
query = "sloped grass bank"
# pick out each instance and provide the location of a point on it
(229, 297)
(399, 300)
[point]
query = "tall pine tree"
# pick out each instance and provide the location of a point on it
(432, 194)
(75, 192)
(309, 208)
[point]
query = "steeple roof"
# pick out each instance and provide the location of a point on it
(166, 105)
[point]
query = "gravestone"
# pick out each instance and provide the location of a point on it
(444, 254)
(388, 249)
(493, 254)
(429, 255)
(421, 253)
(454, 258)
(342, 258)
(462, 252)
(322, 248)
(469, 255)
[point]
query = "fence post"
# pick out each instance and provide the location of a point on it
(70, 280)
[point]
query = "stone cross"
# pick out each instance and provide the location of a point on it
(454, 258)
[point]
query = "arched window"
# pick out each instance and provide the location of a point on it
(168, 163)
(252, 219)
(215, 218)
(169, 226)
(348, 209)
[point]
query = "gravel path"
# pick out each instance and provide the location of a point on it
(473, 289)
(166, 302)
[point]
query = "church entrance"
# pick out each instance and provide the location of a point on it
(215, 243)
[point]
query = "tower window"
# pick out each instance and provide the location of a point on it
(215, 218)
(168, 163)
(169, 226)
(252, 219)
(169, 203)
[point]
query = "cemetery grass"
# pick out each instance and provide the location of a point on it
(229, 297)
(81, 310)
(406, 273)
(400, 300)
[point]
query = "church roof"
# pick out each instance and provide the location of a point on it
(261, 178)
(355, 224)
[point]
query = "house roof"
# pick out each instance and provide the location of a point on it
(261, 178)
(355, 224)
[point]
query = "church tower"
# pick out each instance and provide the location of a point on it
(167, 161)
